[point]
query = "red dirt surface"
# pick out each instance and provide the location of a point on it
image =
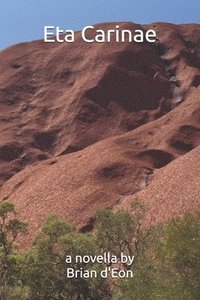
(86, 126)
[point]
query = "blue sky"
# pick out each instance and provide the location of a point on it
(23, 20)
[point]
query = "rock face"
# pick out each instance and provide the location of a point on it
(173, 191)
(84, 126)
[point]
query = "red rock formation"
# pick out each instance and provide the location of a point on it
(124, 110)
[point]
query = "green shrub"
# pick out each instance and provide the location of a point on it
(166, 264)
